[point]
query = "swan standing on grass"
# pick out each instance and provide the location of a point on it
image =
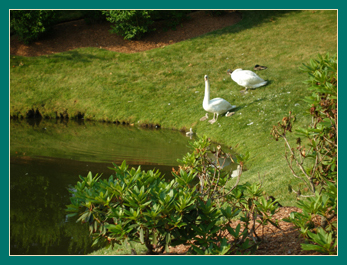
(217, 105)
(246, 78)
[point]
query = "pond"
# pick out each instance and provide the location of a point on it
(46, 157)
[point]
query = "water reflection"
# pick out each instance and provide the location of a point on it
(38, 225)
(46, 157)
(97, 142)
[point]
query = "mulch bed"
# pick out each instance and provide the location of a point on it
(274, 241)
(76, 34)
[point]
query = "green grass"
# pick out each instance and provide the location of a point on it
(159, 86)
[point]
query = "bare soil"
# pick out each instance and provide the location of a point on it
(76, 34)
(283, 241)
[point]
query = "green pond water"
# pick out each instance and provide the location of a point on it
(46, 157)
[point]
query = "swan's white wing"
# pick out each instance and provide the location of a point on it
(248, 79)
(214, 105)
(218, 101)
(220, 105)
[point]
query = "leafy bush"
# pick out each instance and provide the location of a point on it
(130, 24)
(316, 166)
(30, 24)
(134, 206)
(93, 16)
(134, 24)
(221, 206)
(324, 233)
(138, 206)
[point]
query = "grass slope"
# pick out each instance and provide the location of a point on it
(165, 86)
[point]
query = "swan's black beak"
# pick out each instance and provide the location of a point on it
(229, 72)
(206, 77)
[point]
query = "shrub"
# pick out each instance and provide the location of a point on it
(93, 16)
(316, 164)
(134, 24)
(30, 24)
(194, 208)
(221, 206)
(130, 24)
(134, 206)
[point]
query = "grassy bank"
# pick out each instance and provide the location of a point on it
(165, 86)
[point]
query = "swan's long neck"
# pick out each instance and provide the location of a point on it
(207, 93)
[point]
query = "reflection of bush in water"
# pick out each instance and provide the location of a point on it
(96, 141)
(38, 219)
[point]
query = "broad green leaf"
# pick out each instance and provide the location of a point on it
(142, 240)
(313, 247)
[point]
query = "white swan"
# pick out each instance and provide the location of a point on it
(246, 78)
(217, 105)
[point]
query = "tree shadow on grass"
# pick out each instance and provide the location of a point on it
(75, 56)
(252, 18)
(242, 106)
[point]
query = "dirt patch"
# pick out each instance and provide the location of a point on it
(284, 241)
(76, 34)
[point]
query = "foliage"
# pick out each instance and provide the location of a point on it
(133, 206)
(30, 24)
(323, 130)
(93, 16)
(131, 24)
(138, 206)
(321, 134)
(320, 173)
(323, 234)
(220, 207)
